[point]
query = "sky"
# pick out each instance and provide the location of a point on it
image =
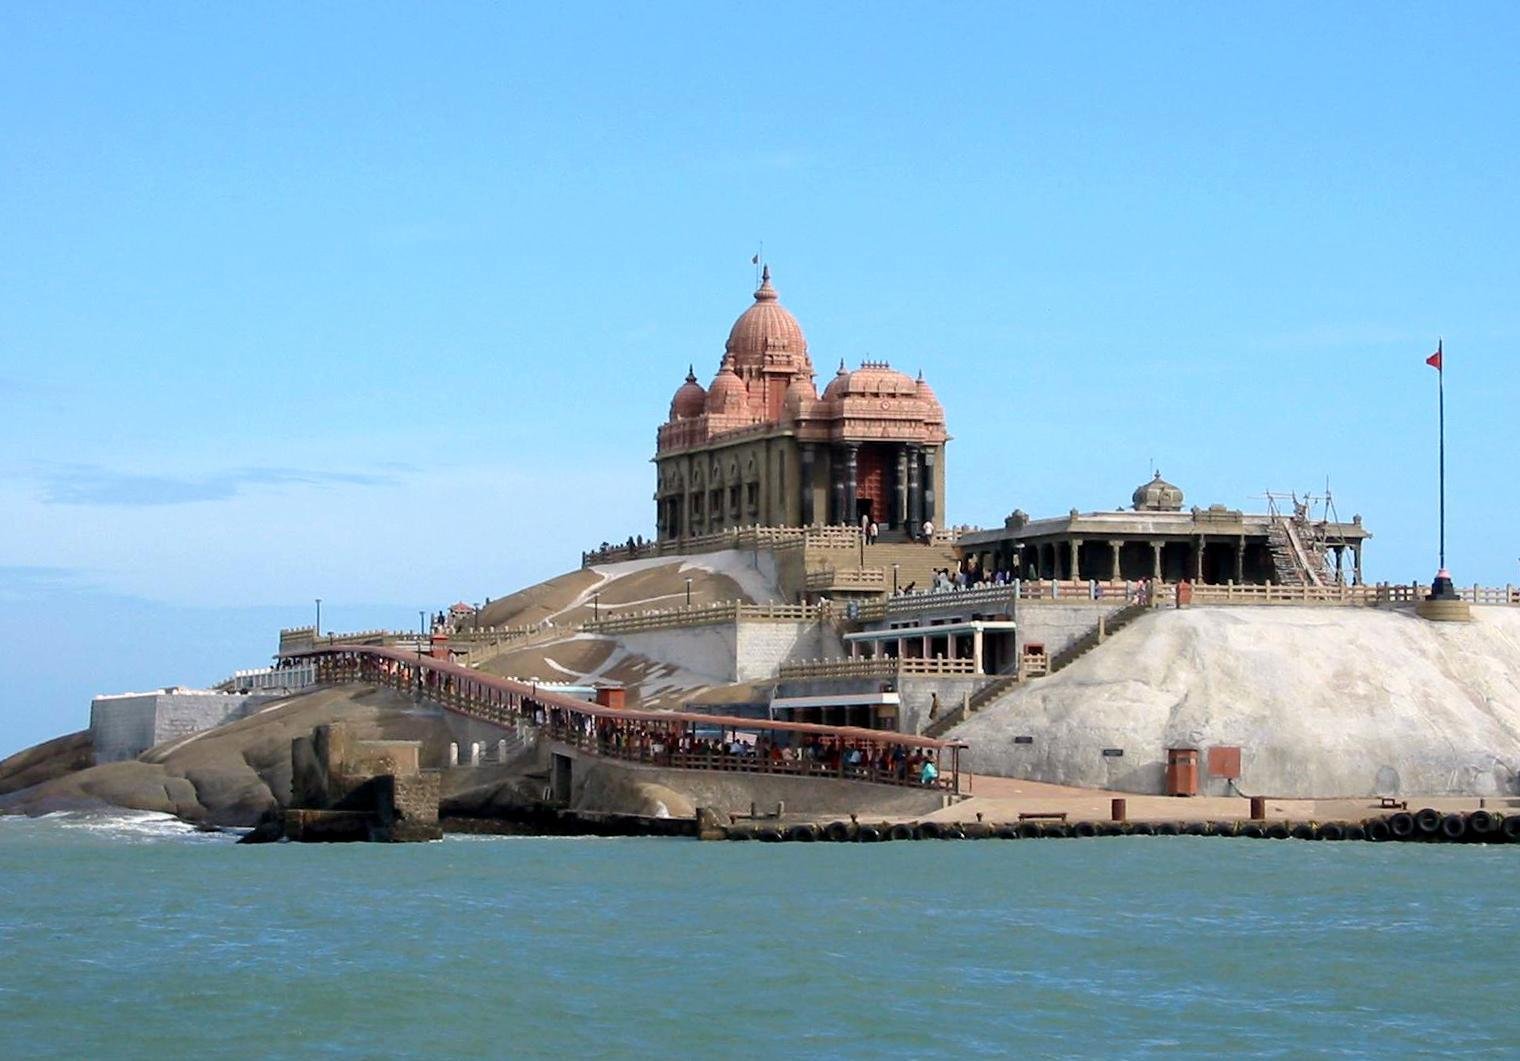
(382, 303)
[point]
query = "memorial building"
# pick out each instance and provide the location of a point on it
(760, 445)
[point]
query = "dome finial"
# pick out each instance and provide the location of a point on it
(765, 293)
(691, 373)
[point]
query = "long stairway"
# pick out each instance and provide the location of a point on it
(1101, 631)
(916, 562)
(1295, 561)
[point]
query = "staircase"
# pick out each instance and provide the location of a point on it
(1004, 683)
(1295, 561)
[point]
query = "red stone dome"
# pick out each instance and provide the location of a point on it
(926, 394)
(838, 385)
(768, 328)
(727, 393)
(799, 393)
(690, 400)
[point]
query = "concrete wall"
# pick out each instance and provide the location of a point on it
(1057, 625)
(764, 646)
(126, 725)
(593, 778)
(750, 650)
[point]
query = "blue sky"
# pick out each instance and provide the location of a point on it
(382, 303)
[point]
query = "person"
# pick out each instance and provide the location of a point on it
(928, 773)
(933, 706)
(928, 532)
(871, 532)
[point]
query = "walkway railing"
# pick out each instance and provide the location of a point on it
(706, 615)
(756, 536)
(660, 738)
(873, 667)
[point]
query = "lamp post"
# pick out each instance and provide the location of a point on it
(596, 607)
(688, 592)
(318, 629)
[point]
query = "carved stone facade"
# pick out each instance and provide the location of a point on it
(760, 445)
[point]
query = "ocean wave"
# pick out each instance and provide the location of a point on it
(129, 825)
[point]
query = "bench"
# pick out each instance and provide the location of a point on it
(1051, 815)
(1389, 803)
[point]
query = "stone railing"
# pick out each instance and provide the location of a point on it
(857, 578)
(706, 615)
(873, 667)
(751, 537)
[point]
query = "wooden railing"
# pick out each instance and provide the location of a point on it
(663, 738)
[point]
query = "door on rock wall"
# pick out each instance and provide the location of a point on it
(871, 486)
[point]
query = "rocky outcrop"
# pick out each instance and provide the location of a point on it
(46, 761)
(226, 776)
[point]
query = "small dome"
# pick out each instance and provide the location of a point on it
(690, 400)
(1158, 495)
(798, 393)
(727, 393)
(838, 385)
(926, 393)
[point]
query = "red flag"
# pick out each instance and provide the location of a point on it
(1434, 360)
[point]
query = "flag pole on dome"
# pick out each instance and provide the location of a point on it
(1437, 361)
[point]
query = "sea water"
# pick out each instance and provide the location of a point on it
(136, 937)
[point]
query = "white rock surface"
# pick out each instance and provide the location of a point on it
(1322, 701)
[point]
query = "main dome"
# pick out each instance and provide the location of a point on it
(1158, 495)
(767, 334)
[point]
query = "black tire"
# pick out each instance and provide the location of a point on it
(1402, 825)
(1113, 829)
(1251, 831)
(1332, 831)
(1305, 831)
(837, 832)
(1453, 827)
(928, 831)
(1197, 829)
(953, 831)
(769, 834)
(1428, 821)
(976, 830)
(1379, 830)
(1085, 829)
(1057, 830)
(1031, 830)
(1356, 831)
(1510, 827)
(868, 834)
(804, 833)
(1482, 827)
(1142, 829)
(1277, 831)
(739, 832)
(900, 831)
(1007, 832)
(1168, 829)
(1224, 828)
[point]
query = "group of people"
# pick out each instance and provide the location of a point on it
(657, 742)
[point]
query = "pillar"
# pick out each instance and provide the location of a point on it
(836, 492)
(976, 650)
(1356, 559)
(851, 455)
(1240, 561)
(808, 457)
(1198, 566)
(915, 491)
(899, 514)
(930, 507)
(1156, 561)
(1076, 559)
(1114, 573)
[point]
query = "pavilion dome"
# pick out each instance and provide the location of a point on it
(727, 393)
(799, 393)
(838, 385)
(767, 333)
(690, 400)
(877, 379)
(1158, 495)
